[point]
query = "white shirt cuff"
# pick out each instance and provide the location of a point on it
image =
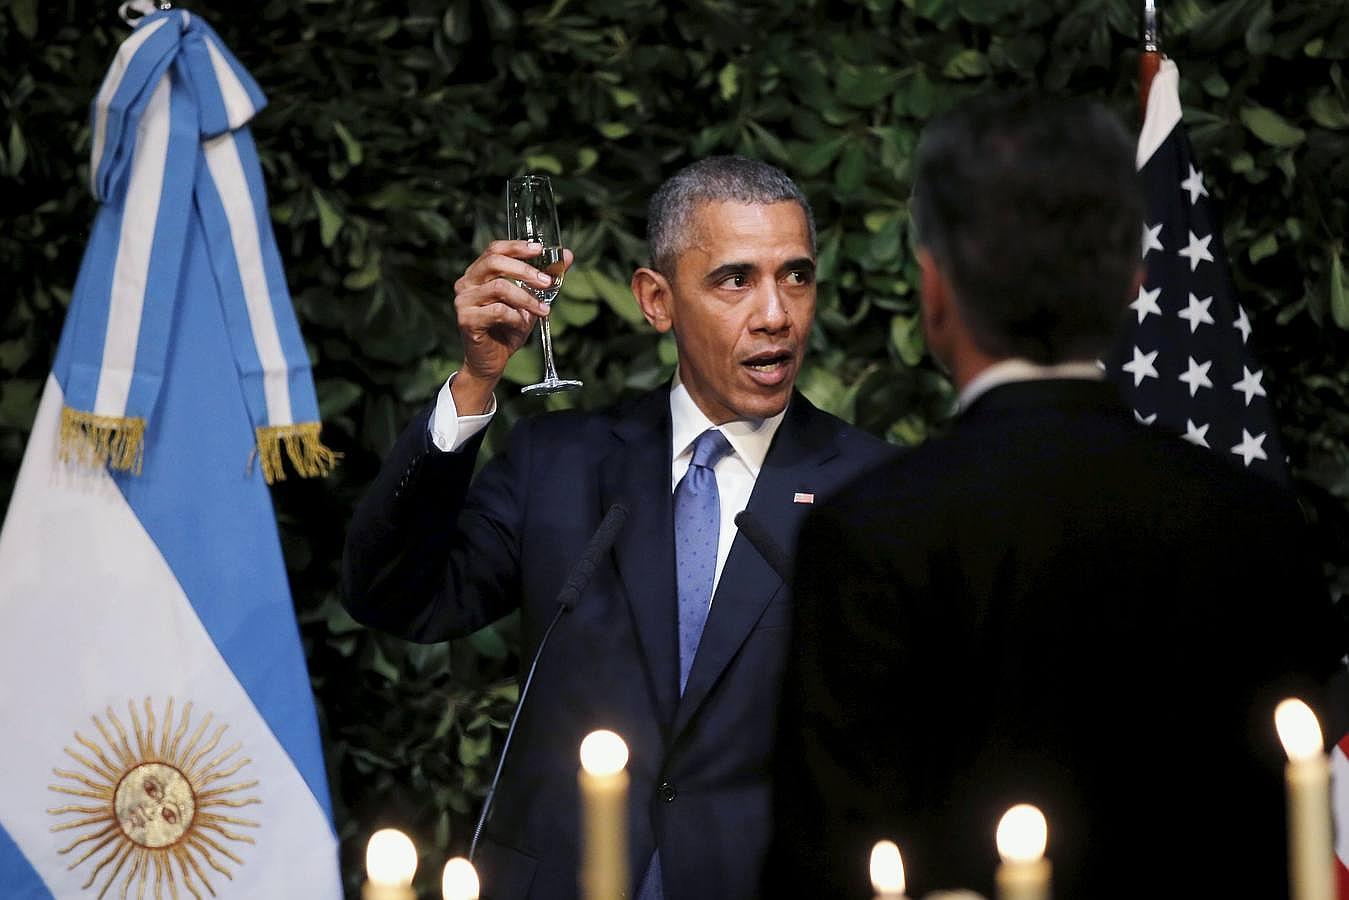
(450, 431)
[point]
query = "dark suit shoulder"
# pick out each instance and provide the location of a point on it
(814, 424)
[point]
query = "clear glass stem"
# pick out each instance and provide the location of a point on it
(546, 338)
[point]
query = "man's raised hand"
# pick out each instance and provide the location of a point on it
(495, 316)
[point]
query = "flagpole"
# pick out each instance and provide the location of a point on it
(1151, 59)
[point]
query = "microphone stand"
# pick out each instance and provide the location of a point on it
(600, 542)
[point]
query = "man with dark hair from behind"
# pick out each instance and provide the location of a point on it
(678, 641)
(1052, 604)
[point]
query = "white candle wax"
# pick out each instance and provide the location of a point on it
(1311, 873)
(1024, 873)
(604, 812)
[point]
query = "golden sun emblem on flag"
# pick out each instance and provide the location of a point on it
(158, 804)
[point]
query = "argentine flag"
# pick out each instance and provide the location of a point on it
(159, 733)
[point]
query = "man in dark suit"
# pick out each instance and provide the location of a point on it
(434, 553)
(1053, 603)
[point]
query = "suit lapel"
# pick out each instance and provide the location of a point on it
(637, 474)
(748, 583)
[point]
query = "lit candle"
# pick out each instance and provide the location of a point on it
(1310, 857)
(887, 871)
(390, 863)
(604, 816)
(460, 880)
(1022, 836)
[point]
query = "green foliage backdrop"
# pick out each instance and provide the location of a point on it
(392, 127)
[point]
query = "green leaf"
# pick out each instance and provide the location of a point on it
(363, 277)
(544, 163)
(13, 354)
(473, 748)
(822, 388)
(878, 219)
(25, 17)
(967, 63)
(618, 296)
(1339, 298)
(1216, 86)
(1266, 246)
(615, 130)
(623, 98)
(379, 664)
(330, 221)
(852, 169)
(812, 159)
(906, 336)
(18, 149)
(728, 81)
(1271, 127)
(489, 643)
(865, 86)
(18, 402)
(574, 311)
(336, 395)
(668, 349)
(581, 284)
(525, 365)
(353, 146)
(986, 12)
(1328, 111)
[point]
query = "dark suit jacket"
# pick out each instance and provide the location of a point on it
(1056, 605)
(428, 557)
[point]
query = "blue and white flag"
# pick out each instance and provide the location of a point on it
(160, 737)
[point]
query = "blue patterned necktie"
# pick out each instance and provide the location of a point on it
(697, 522)
(697, 528)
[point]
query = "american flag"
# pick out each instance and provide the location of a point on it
(1184, 361)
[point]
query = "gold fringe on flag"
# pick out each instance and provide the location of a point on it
(306, 452)
(117, 442)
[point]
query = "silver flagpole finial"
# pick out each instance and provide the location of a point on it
(1152, 35)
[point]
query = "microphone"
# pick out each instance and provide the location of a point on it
(581, 573)
(768, 548)
(603, 539)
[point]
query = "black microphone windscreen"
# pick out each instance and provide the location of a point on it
(768, 548)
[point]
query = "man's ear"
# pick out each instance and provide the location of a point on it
(654, 296)
(934, 300)
(1140, 274)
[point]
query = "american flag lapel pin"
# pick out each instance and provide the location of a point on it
(802, 497)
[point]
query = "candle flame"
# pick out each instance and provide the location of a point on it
(1022, 834)
(603, 753)
(887, 869)
(390, 858)
(460, 881)
(1298, 729)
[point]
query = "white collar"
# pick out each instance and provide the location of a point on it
(749, 438)
(1015, 369)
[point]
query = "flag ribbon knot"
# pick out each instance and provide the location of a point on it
(183, 218)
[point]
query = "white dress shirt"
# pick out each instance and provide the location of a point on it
(736, 471)
(1016, 369)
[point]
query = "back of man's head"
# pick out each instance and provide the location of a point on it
(1033, 211)
(670, 217)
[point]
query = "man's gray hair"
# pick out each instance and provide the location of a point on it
(717, 178)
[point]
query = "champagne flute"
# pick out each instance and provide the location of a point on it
(531, 215)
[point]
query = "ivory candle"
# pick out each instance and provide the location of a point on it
(604, 813)
(887, 871)
(459, 881)
(1311, 874)
(390, 864)
(1022, 836)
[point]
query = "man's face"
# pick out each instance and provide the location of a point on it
(741, 305)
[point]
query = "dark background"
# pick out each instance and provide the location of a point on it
(390, 131)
